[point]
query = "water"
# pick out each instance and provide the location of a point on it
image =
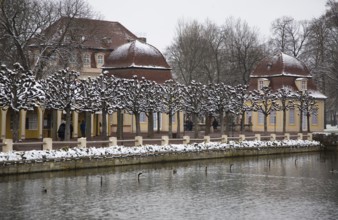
(298, 186)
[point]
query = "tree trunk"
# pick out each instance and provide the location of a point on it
(119, 128)
(265, 123)
(158, 122)
(104, 124)
(300, 122)
(242, 121)
(221, 121)
(67, 129)
(170, 131)
(227, 125)
(195, 124)
(207, 125)
(54, 128)
(16, 118)
(137, 121)
(178, 124)
(284, 121)
(150, 124)
(308, 122)
(88, 116)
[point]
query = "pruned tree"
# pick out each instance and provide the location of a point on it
(63, 92)
(134, 98)
(19, 91)
(307, 105)
(221, 101)
(110, 97)
(171, 100)
(151, 105)
(240, 102)
(286, 97)
(264, 101)
(195, 102)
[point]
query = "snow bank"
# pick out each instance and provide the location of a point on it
(121, 151)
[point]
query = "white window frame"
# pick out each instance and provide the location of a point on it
(99, 60)
(260, 84)
(86, 60)
(303, 85)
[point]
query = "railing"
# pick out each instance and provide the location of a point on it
(47, 143)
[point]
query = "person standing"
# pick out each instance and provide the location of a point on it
(61, 130)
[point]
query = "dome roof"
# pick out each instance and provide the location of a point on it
(136, 54)
(281, 65)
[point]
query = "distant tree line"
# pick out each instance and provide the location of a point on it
(210, 53)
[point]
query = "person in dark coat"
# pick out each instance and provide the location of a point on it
(61, 131)
(215, 124)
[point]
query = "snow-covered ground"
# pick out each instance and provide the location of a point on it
(121, 151)
(331, 129)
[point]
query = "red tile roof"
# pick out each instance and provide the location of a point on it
(138, 58)
(95, 34)
(282, 71)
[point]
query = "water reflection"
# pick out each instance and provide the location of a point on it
(298, 186)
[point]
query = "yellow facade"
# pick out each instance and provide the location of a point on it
(292, 120)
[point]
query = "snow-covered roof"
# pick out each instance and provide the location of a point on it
(136, 54)
(281, 65)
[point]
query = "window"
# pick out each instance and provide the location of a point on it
(156, 115)
(100, 60)
(86, 60)
(260, 118)
(273, 117)
(304, 85)
(314, 117)
(143, 117)
(291, 116)
(260, 84)
(32, 121)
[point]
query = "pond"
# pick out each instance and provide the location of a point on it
(297, 186)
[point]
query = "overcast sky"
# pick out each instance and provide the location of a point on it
(157, 19)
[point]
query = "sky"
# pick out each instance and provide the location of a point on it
(157, 19)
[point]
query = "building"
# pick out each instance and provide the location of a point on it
(88, 47)
(143, 60)
(280, 71)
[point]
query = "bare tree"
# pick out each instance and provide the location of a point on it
(186, 52)
(244, 50)
(208, 53)
(289, 36)
(22, 27)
